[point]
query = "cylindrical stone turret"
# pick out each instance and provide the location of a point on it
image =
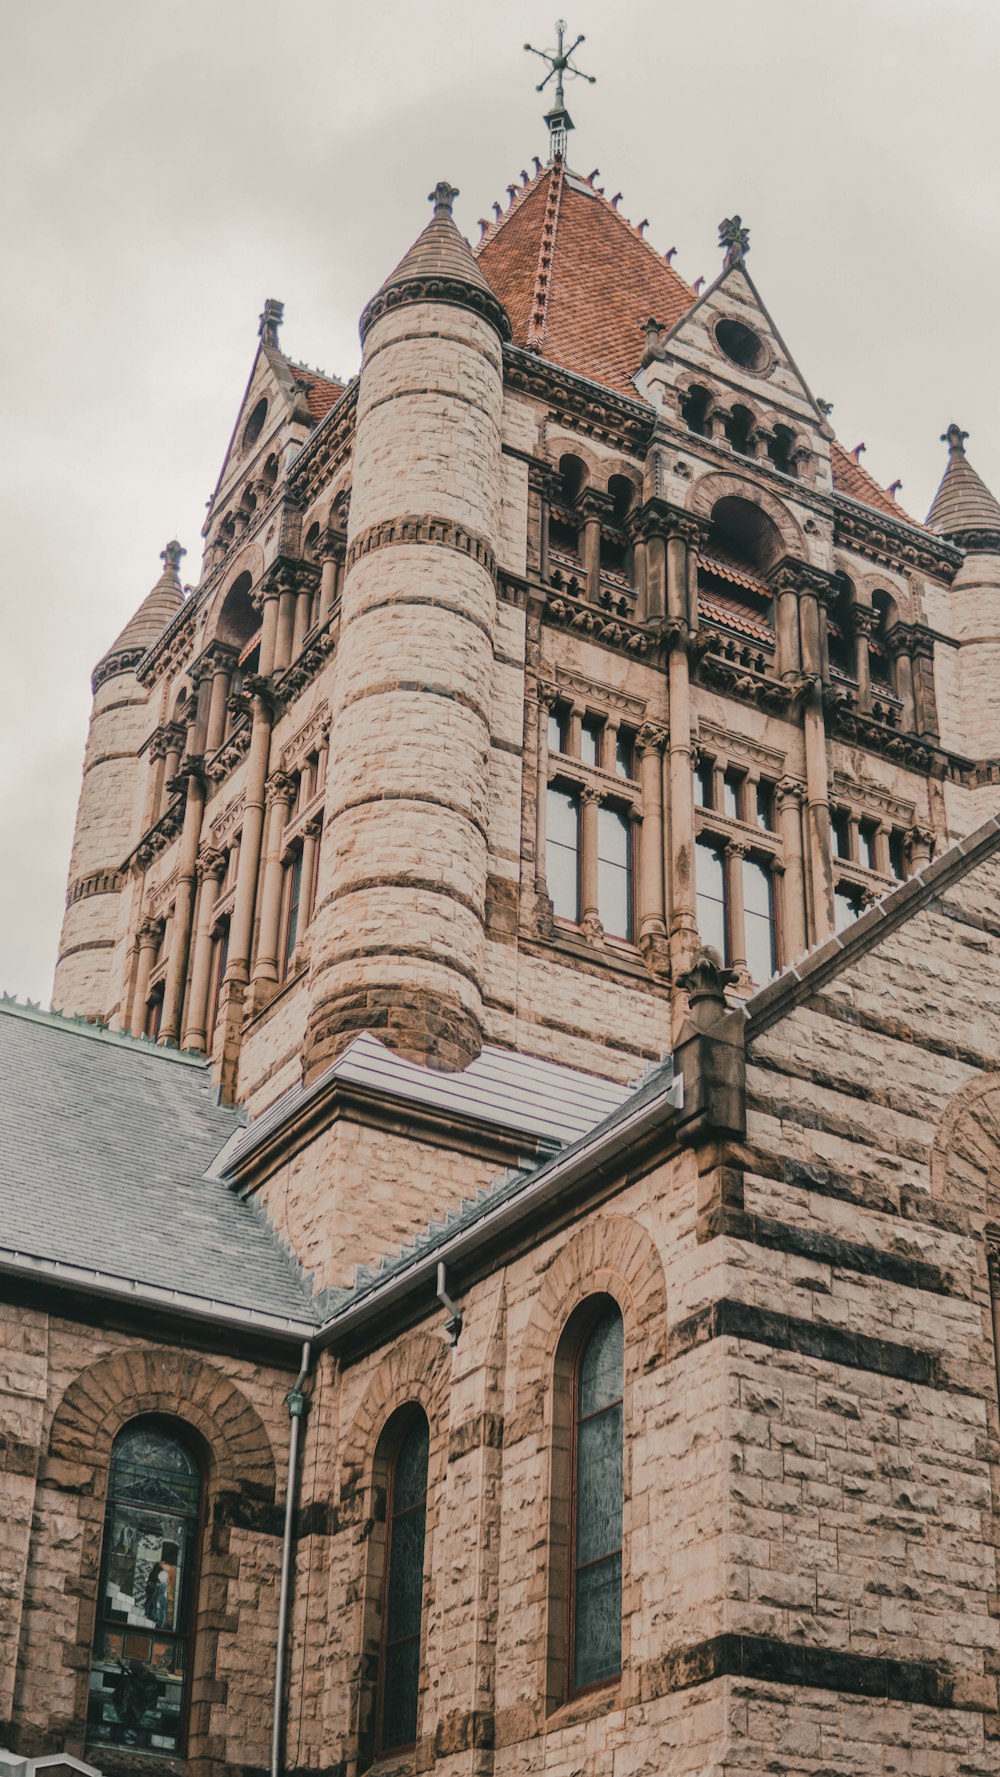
(967, 513)
(398, 938)
(110, 809)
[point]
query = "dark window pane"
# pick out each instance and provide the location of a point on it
(866, 846)
(590, 741)
(404, 1590)
(137, 1676)
(597, 1627)
(847, 906)
(614, 872)
(897, 861)
(765, 805)
(841, 828)
(293, 893)
(602, 1365)
(624, 753)
(556, 737)
(731, 795)
(705, 784)
(562, 853)
(759, 920)
(599, 1486)
(711, 898)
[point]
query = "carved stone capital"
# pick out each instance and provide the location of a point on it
(312, 828)
(150, 933)
(548, 694)
(737, 848)
(279, 788)
(589, 794)
(861, 620)
(707, 978)
(211, 866)
(789, 793)
(652, 738)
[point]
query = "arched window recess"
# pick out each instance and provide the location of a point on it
(139, 1692)
(395, 1593)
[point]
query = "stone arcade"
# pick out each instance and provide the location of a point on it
(496, 1246)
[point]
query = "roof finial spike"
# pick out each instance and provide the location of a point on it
(558, 119)
(736, 240)
(955, 438)
(856, 452)
(272, 315)
(893, 488)
(171, 555)
(443, 198)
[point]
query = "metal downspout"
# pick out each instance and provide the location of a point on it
(296, 1411)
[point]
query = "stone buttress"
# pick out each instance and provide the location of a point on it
(399, 933)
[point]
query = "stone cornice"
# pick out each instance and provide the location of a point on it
(424, 527)
(453, 292)
(123, 660)
(322, 453)
(890, 542)
(96, 882)
(579, 403)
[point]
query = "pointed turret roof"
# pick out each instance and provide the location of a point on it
(439, 267)
(577, 280)
(963, 507)
(160, 604)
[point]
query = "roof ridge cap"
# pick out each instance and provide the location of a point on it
(75, 1024)
(542, 286)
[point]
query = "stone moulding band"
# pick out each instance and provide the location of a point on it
(770, 1661)
(98, 882)
(452, 291)
(424, 527)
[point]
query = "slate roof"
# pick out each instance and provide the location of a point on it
(524, 1094)
(963, 502)
(104, 1147)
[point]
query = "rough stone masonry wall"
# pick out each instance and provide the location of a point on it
(399, 929)
(66, 1388)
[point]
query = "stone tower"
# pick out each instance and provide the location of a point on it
(967, 513)
(399, 943)
(108, 813)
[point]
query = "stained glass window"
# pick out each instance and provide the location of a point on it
(142, 1644)
(399, 1675)
(597, 1500)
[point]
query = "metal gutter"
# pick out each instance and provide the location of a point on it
(125, 1289)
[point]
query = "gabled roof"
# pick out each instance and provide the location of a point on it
(104, 1175)
(963, 502)
(577, 280)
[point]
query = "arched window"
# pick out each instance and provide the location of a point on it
(596, 1494)
(779, 448)
(694, 411)
(403, 1590)
(142, 1643)
(255, 424)
(739, 430)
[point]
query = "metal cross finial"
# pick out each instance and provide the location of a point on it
(558, 119)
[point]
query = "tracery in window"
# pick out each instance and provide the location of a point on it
(141, 1663)
(597, 1495)
(403, 1590)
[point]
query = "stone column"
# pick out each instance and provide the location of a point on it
(787, 627)
(809, 635)
(590, 913)
(684, 940)
(547, 698)
(861, 621)
(789, 797)
(279, 794)
(156, 756)
(898, 643)
(656, 568)
(174, 735)
(267, 602)
(287, 595)
(883, 862)
(222, 660)
(201, 681)
(818, 820)
(173, 992)
(241, 925)
(735, 853)
(920, 846)
(150, 935)
(211, 868)
(650, 743)
(592, 555)
(307, 890)
(332, 556)
(924, 696)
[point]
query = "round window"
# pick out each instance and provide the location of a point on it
(741, 344)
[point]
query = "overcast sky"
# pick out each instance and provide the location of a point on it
(168, 164)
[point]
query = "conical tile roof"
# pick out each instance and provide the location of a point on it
(963, 506)
(441, 263)
(160, 604)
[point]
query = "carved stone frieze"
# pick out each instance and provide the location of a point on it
(306, 739)
(598, 625)
(453, 291)
(424, 527)
(580, 405)
(228, 756)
